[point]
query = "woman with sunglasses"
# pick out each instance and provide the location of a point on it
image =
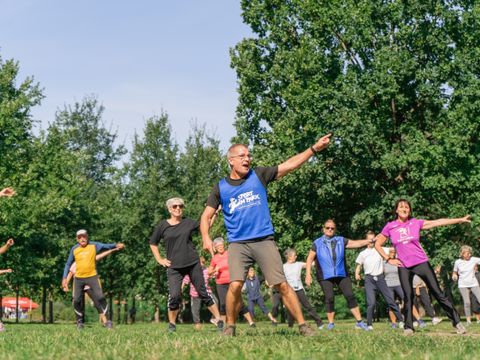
(404, 233)
(182, 259)
(329, 253)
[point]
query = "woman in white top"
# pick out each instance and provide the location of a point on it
(464, 272)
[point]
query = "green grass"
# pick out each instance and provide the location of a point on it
(151, 341)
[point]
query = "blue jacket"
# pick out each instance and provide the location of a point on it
(329, 266)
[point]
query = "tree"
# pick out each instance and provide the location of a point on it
(395, 82)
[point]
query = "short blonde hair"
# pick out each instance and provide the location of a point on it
(174, 200)
(464, 249)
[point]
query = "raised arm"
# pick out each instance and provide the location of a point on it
(7, 246)
(162, 261)
(205, 224)
(430, 224)
(355, 244)
(7, 192)
(6, 271)
(298, 160)
(106, 253)
(308, 267)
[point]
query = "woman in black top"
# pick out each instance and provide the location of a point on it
(182, 259)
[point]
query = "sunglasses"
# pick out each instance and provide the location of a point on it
(243, 156)
(329, 228)
(178, 206)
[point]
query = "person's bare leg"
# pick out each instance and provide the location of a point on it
(248, 317)
(172, 316)
(224, 318)
(214, 310)
(290, 300)
(391, 315)
(356, 313)
(270, 316)
(415, 313)
(233, 301)
(103, 318)
(331, 317)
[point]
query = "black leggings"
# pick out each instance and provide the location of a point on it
(345, 286)
(175, 278)
(95, 292)
(426, 273)
(222, 300)
(302, 297)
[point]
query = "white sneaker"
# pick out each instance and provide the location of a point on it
(370, 327)
(461, 329)
(401, 325)
(415, 324)
(478, 321)
(436, 320)
(469, 323)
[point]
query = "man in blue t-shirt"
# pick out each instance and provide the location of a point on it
(243, 197)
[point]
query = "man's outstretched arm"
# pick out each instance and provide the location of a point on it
(298, 160)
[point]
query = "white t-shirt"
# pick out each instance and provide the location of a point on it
(293, 273)
(466, 272)
(372, 261)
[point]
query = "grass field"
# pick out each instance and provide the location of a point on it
(151, 341)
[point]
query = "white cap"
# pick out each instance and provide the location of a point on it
(82, 232)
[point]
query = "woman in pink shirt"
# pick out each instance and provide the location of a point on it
(219, 268)
(404, 233)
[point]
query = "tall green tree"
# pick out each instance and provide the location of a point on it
(395, 82)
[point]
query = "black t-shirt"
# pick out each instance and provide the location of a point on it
(265, 175)
(178, 242)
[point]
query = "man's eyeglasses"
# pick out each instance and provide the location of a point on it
(178, 206)
(243, 156)
(329, 228)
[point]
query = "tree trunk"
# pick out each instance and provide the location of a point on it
(119, 310)
(44, 305)
(125, 312)
(50, 310)
(133, 311)
(157, 313)
(110, 304)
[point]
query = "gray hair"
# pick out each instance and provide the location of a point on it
(290, 252)
(218, 241)
(233, 147)
(174, 200)
(464, 249)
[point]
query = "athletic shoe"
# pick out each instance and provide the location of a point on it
(421, 324)
(401, 325)
(171, 328)
(306, 330)
(360, 325)
(229, 331)
(80, 325)
(460, 329)
(436, 320)
(253, 325)
(407, 332)
(394, 325)
(478, 321)
(469, 323)
(320, 325)
(331, 326)
(415, 323)
(220, 325)
(214, 321)
(109, 325)
(274, 323)
(370, 327)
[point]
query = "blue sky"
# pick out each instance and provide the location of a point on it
(138, 57)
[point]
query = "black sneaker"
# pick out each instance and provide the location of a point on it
(80, 325)
(220, 325)
(274, 323)
(253, 325)
(229, 331)
(172, 328)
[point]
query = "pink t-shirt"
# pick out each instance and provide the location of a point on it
(405, 237)
(193, 291)
(221, 261)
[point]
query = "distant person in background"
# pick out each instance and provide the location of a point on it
(464, 272)
(423, 297)
(219, 269)
(252, 288)
(195, 300)
(293, 272)
(6, 192)
(375, 282)
(329, 253)
(84, 253)
(475, 303)
(404, 233)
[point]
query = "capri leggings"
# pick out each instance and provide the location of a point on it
(345, 286)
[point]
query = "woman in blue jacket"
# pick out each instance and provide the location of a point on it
(329, 253)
